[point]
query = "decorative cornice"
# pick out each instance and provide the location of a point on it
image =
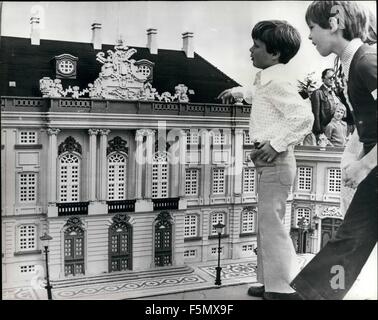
(69, 145)
(53, 131)
(117, 144)
(330, 212)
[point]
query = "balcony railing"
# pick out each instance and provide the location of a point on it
(121, 206)
(72, 208)
(86, 105)
(166, 203)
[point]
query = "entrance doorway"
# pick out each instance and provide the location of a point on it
(329, 229)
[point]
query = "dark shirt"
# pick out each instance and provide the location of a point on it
(362, 85)
(323, 104)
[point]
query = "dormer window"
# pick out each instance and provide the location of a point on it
(66, 66)
(145, 69)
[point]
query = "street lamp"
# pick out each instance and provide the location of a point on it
(45, 243)
(219, 227)
(303, 226)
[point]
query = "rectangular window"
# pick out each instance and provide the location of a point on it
(160, 180)
(190, 253)
(303, 213)
(28, 187)
(214, 250)
(247, 138)
(219, 138)
(192, 137)
(334, 180)
(191, 182)
(215, 219)
(247, 247)
(248, 222)
(218, 181)
(27, 269)
(27, 237)
(249, 180)
(28, 137)
(304, 178)
(190, 226)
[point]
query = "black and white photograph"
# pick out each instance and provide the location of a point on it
(188, 150)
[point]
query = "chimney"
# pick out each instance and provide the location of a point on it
(96, 36)
(152, 40)
(34, 31)
(187, 44)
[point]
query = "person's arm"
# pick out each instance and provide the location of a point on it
(356, 171)
(352, 151)
(315, 105)
(227, 96)
(328, 131)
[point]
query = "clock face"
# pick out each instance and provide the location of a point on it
(66, 67)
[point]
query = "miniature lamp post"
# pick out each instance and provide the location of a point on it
(219, 227)
(303, 226)
(45, 243)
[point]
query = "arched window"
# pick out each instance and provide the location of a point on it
(69, 177)
(117, 176)
(160, 175)
(74, 247)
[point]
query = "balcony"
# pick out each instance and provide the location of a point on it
(72, 208)
(121, 206)
(166, 204)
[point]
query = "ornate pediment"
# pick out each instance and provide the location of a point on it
(117, 144)
(120, 221)
(330, 212)
(121, 77)
(69, 145)
(164, 220)
(74, 224)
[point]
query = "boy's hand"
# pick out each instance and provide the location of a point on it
(354, 173)
(266, 152)
(226, 97)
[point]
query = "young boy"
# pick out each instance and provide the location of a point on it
(280, 119)
(336, 130)
(340, 27)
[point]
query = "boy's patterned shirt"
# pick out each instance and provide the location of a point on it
(278, 113)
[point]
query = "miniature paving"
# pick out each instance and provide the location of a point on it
(191, 278)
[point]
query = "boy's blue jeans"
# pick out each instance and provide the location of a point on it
(277, 263)
(332, 272)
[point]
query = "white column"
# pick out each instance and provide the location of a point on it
(238, 163)
(139, 163)
(52, 161)
(92, 164)
(149, 156)
(182, 163)
(102, 164)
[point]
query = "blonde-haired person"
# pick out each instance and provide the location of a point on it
(336, 131)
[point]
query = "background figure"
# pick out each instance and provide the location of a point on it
(324, 102)
(336, 130)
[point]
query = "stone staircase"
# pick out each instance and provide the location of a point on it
(121, 276)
